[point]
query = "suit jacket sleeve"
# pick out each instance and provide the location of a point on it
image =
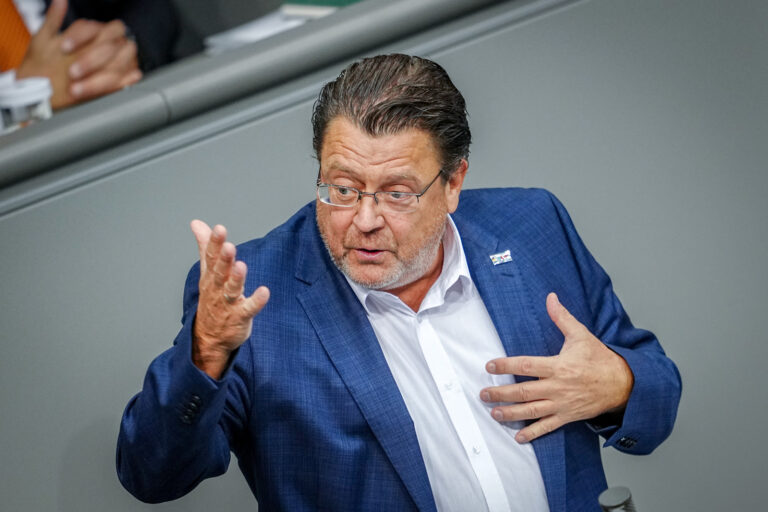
(178, 430)
(652, 407)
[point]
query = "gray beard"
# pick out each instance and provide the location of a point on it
(403, 274)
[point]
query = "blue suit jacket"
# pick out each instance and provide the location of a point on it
(310, 407)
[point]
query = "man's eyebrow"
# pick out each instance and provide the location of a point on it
(385, 181)
(400, 177)
(343, 169)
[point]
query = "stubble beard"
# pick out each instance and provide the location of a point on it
(404, 272)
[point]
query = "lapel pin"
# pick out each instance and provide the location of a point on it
(502, 257)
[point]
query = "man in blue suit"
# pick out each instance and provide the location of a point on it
(399, 344)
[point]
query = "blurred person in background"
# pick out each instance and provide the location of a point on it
(91, 48)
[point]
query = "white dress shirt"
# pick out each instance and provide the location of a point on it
(437, 357)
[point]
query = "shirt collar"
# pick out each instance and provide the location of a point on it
(455, 272)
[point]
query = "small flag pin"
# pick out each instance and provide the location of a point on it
(502, 257)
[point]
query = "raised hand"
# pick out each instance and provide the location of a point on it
(224, 315)
(584, 380)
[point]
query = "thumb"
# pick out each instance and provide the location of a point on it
(54, 17)
(202, 233)
(561, 317)
(256, 301)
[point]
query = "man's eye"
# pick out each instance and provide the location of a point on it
(398, 196)
(344, 191)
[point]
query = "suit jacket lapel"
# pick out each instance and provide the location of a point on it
(509, 303)
(343, 328)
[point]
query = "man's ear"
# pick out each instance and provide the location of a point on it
(453, 187)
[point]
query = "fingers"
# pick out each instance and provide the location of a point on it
(526, 411)
(107, 62)
(531, 366)
(540, 428)
(114, 30)
(53, 19)
(130, 78)
(100, 84)
(223, 265)
(202, 234)
(233, 286)
(213, 248)
(79, 34)
(256, 301)
(94, 58)
(546, 411)
(225, 277)
(83, 31)
(105, 70)
(562, 318)
(520, 392)
(565, 391)
(126, 62)
(531, 402)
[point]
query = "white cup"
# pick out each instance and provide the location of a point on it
(23, 101)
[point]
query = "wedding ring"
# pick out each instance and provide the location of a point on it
(230, 298)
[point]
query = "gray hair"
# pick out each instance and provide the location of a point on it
(386, 94)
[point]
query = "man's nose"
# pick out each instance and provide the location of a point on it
(368, 214)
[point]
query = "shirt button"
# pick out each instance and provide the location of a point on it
(476, 450)
(448, 386)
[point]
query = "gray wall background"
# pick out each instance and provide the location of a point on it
(648, 119)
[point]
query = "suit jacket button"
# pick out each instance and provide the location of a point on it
(627, 442)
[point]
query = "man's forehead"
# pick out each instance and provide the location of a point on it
(345, 143)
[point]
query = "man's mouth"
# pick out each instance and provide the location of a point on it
(368, 254)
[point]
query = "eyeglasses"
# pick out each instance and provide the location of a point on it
(391, 202)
